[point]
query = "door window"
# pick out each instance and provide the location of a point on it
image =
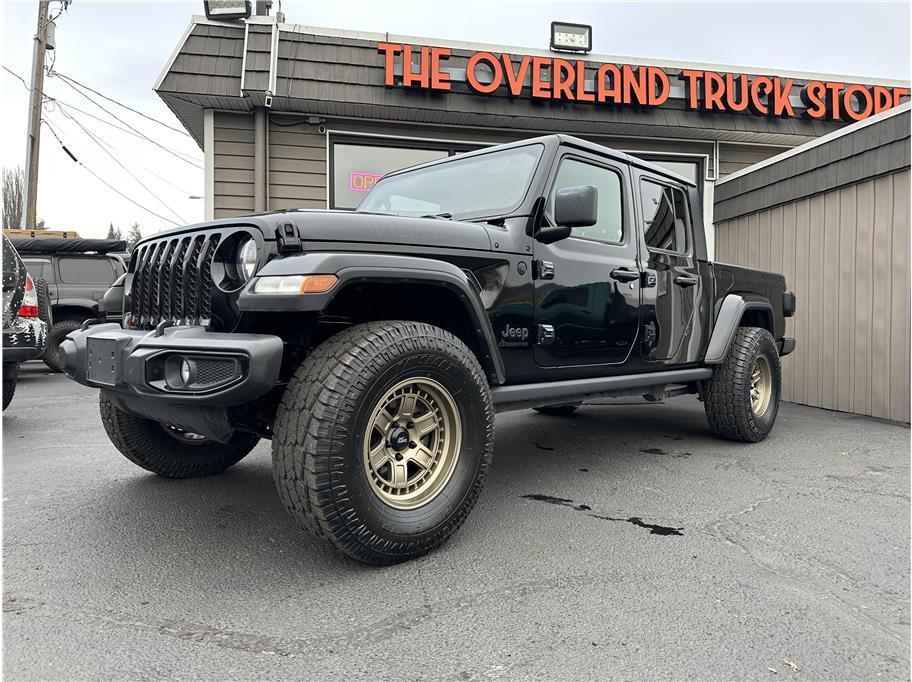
(85, 270)
(664, 216)
(610, 225)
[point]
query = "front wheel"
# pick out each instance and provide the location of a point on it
(168, 450)
(383, 440)
(742, 397)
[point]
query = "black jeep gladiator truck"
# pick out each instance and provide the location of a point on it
(374, 347)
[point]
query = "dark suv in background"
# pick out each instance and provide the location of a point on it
(78, 272)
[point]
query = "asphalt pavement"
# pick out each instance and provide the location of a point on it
(624, 542)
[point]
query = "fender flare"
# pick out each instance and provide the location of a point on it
(352, 268)
(730, 313)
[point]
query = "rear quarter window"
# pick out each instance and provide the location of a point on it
(85, 270)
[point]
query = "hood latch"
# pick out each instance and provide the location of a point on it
(289, 240)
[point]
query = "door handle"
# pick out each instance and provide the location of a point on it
(685, 280)
(624, 275)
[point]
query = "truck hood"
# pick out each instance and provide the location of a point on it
(367, 228)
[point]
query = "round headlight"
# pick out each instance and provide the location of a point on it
(247, 259)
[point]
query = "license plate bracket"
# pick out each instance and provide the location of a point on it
(103, 361)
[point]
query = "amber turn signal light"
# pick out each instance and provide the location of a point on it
(294, 284)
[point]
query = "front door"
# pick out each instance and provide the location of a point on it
(673, 286)
(587, 292)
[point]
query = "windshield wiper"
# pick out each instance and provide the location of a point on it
(439, 216)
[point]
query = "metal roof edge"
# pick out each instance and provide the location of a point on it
(600, 58)
(848, 130)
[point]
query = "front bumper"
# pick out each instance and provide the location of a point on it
(140, 372)
(25, 339)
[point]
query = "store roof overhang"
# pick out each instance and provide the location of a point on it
(238, 66)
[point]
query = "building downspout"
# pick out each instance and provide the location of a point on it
(259, 160)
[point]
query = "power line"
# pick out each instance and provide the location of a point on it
(141, 134)
(127, 170)
(121, 104)
(128, 131)
(103, 181)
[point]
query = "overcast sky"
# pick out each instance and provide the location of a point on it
(119, 49)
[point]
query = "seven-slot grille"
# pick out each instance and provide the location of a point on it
(172, 281)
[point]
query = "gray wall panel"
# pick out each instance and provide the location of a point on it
(845, 254)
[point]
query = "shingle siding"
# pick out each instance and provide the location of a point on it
(873, 150)
(344, 77)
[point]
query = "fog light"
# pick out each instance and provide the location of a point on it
(185, 371)
(180, 372)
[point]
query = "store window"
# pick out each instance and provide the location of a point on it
(356, 168)
(573, 173)
(664, 216)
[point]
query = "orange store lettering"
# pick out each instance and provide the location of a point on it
(579, 80)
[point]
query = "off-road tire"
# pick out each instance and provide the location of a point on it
(726, 397)
(44, 302)
(55, 337)
(564, 410)
(146, 443)
(10, 374)
(317, 448)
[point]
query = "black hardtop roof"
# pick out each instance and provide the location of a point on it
(568, 140)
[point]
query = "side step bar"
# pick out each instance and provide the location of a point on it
(522, 396)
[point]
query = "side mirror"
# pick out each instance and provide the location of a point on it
(576, 206)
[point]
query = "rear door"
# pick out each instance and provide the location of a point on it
(587, 292)
(672, 284)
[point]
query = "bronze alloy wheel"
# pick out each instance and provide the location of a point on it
(412, 443)
(761, 386)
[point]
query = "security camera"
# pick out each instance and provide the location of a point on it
(321, 129)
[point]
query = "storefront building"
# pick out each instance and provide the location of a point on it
(291, 116)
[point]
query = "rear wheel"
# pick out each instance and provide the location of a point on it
(168, 450)
(383, 440)
(56, 336)
(564, 410)
(742, 397)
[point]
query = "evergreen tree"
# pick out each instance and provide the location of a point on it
(133, 236)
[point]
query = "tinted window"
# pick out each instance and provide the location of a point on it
(358, 167)
(610, 225)
(664, 217)
(85, 270)
(489, 184)
(39, 269)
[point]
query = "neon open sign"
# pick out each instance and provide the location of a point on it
(363, 182)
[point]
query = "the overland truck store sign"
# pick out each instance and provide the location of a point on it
(556, 78)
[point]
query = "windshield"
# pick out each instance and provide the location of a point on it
(484, 185)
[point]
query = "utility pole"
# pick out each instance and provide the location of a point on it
(35, 103)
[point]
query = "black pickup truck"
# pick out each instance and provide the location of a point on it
(373, 348)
